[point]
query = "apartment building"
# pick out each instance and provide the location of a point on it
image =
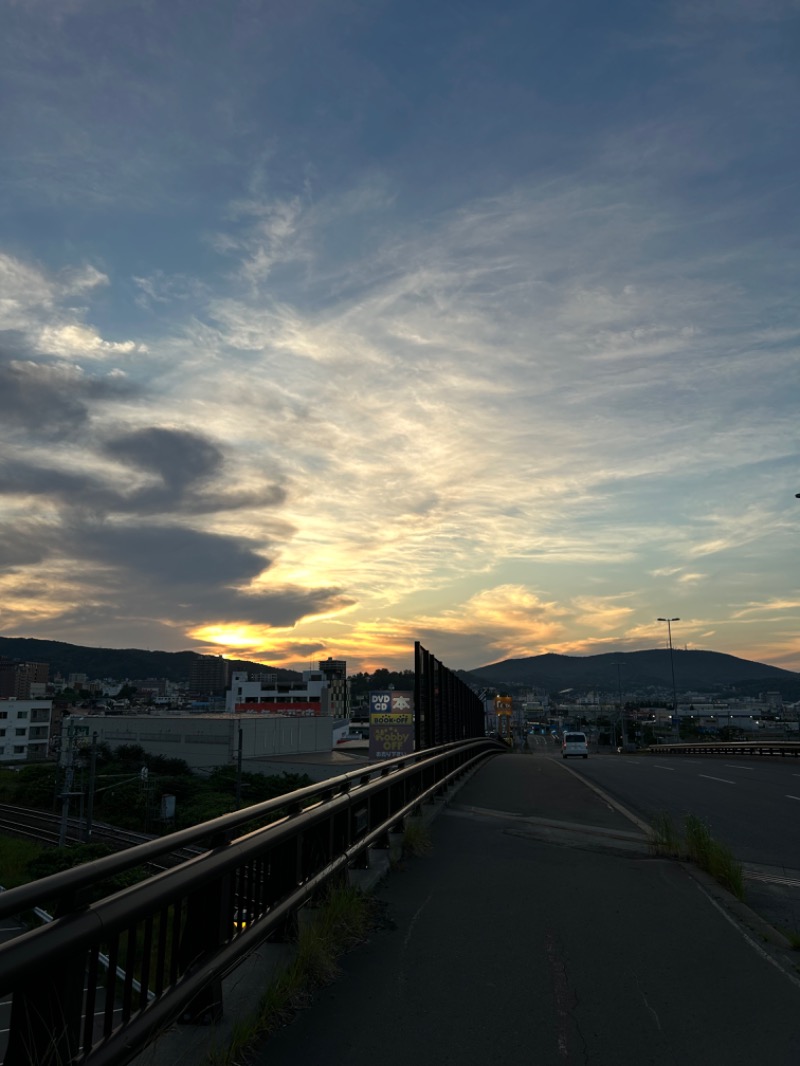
(24, 730)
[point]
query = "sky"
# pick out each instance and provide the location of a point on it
(331, 325)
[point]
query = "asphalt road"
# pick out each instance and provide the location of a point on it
(752, 805)
(512, 946)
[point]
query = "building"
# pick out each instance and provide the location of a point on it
(308, 697)
(8, 679)
(208, 676)
(335, 670)
(22, 681)
(205, 741)
(24, 730)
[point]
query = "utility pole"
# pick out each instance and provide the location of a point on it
(619, 691)
(144, 774)
(69, 776)
(87, 832)
(239, 772)
(669, 622)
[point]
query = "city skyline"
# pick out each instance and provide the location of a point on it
(329, 327)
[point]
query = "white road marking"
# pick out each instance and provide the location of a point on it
(659, 767)
(731, 766)
(758, 950)
(792, 797)
(723, 779)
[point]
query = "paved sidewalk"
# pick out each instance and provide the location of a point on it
(541, 930)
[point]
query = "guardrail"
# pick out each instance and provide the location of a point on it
(781, 748)
(170, 939)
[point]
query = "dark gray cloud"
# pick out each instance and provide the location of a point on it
(178, 457)
(181, 576)
(185, 461)
(68, 490)
(191, 575)
(25, 544)
(282, 607)
(170, 555)
(181, 489)
(52, 399)
(139, 573)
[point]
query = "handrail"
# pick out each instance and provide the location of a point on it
(170, 939)
(72, 881)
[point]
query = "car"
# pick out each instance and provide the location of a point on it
(574, 744)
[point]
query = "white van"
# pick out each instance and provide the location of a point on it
(574, 744)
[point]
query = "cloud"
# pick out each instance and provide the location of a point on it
(171, 574)
(82, 342)
(772, 606)
(51, 399)
(25, 542)
(178, 457)
(504, 388)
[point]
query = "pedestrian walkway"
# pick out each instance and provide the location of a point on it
(542, 930)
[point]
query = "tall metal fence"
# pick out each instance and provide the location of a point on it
(97, 984)
(446, 708)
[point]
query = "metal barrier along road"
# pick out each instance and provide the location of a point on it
(97, 984)
(780, 748)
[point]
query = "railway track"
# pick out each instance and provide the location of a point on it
(45, 828)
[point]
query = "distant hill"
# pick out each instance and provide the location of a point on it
(697, 671)
(119, 663)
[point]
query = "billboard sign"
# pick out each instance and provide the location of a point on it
(391, 724)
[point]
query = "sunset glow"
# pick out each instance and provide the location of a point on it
(328, 330)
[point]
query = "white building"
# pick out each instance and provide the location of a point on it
(306, 698)
(208, 740)
(25, 730)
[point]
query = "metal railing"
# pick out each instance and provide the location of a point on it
(170, 939)
(781, 748)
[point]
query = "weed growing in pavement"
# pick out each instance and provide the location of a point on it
(698, 841)
(343, 920)
(698, 846)
(416, 838)
(665, 838)
(724, 868)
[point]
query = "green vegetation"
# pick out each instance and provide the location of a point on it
(343, 920)
(54, 860)
(666, 838)
(698, 846)
(362, 684)
(416, 838)
(16, 857)
(129, 800)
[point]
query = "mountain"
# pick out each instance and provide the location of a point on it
(120, 663)
(697, 671)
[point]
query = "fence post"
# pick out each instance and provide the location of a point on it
(209, 925)
(46, 1016)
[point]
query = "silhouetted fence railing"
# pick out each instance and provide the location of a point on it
(167, 941)
(446, 708)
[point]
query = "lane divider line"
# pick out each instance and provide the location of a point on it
(645, 828)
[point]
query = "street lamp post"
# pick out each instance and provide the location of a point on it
(619, 691)
(669, 622)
